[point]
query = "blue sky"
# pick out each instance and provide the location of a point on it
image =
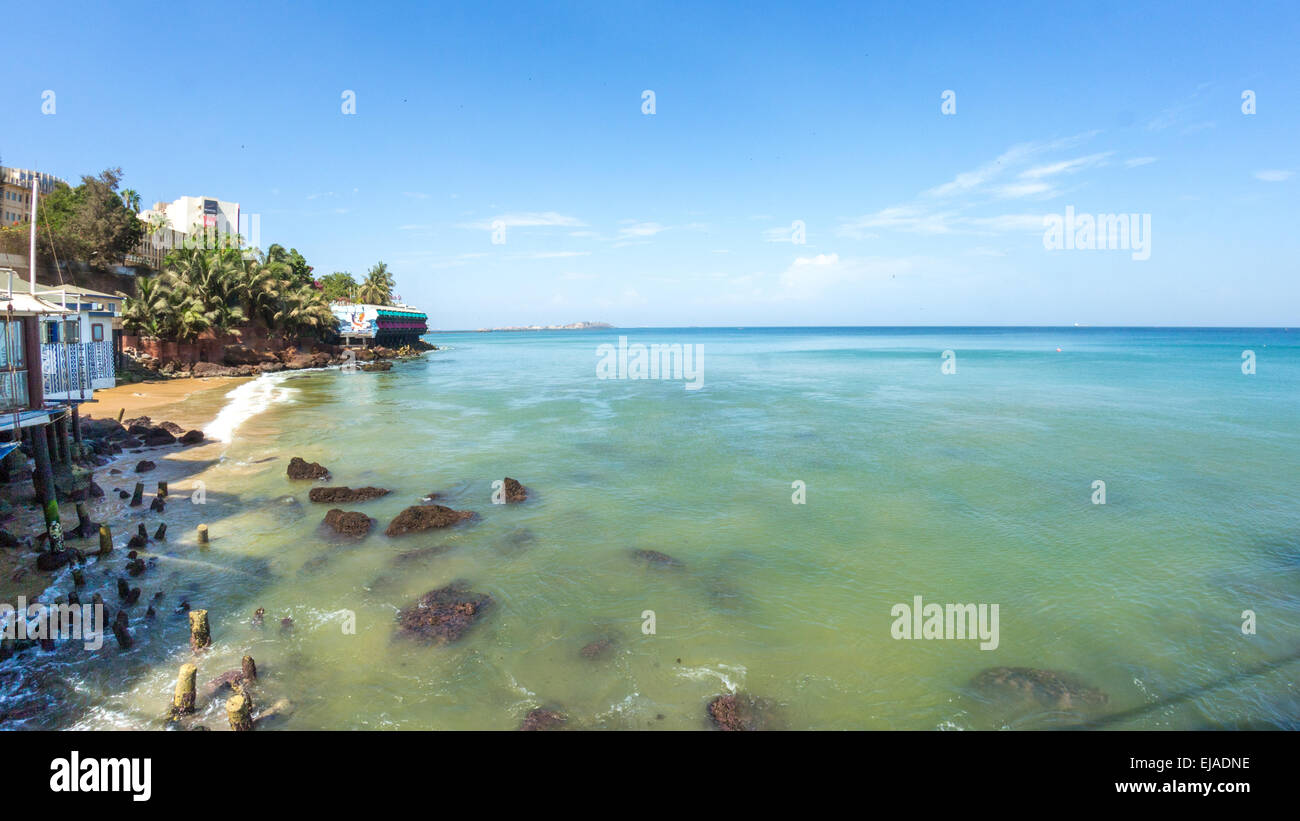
(829, 114)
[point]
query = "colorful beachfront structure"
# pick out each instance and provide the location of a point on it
(364, 325)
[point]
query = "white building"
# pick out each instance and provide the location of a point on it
(195, 215)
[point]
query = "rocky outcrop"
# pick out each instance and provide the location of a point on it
(191, 437)
(540, 719)
(1048, 688)
(145, 466)
(348, 523)
(345, 495)
(157, 437)
(202, 370)
(240, 354)
(515, 492)
(425, 517)
(301, 469)
(735, 711)
(381, 365)
(442, 616)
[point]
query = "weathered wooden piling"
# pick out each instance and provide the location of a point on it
(142, 532)
(239, 710)
(65, 449)
(78, 578)
(200, 635)
(43, 480)
(105, 540)
(183, 700)
(157, 505)
(76, 424)
(160, 535)
(84, 526)
(249, 668)
(137, 498)
(120, 413)
(120, 632)
(203, 534)
(162, 490)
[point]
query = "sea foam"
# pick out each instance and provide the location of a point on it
(245, 402)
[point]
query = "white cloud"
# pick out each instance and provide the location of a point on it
(1137, 161)
(528, 219)
(1274, 175)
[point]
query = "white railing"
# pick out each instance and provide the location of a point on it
(74, 368)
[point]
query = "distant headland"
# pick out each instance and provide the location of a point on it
(572, 326)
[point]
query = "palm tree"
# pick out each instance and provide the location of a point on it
(377, 287)
(144, 313)
(131, 199)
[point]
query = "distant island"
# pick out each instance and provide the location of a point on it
(572, 326)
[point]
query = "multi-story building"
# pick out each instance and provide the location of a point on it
(16, 189)
(195, 215)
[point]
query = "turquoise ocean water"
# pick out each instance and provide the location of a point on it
(973, 486)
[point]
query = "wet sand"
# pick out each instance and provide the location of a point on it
(169, 399)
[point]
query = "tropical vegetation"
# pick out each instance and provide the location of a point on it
(220, 289)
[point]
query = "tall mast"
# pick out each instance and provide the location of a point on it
(32, 270)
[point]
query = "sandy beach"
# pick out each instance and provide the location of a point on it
(170, 399)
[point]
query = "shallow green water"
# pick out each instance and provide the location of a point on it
(974, 486)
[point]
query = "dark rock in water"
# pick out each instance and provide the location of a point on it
(420, 553)
(114, 472)
(377, 366)
(157, 437)
(345, 495)
(286, 626)
(53, 561)
(122, 494)
(736, 711)
(542, 720)
(192, 437)
(172, 428)
(349, 523)
(135, 567)
(131, 442)
(102, 428)
(598, 649)
(157, 505)
(299, 469)
(145, 466)
(96, 492)
(442, 616)
(425, 517)
(1046, 687)
(315, 563)
(655, 557)
(515, 492)
(7, 539)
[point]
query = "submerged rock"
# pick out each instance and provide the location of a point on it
(1046, 687)
(425, 517)
(145, 466)
(540, 719)
(299, 469)
(598, 649)
(442, 616)
(735, 711)
(377, 366)
(655, 557)
(348, 522)
(345, 495)
(419, 553)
